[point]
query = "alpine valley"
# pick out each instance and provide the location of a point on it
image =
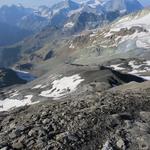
(75, 76)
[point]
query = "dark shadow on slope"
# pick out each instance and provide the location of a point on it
(124, 77)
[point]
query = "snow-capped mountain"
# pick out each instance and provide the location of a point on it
(15, 14)
(122, 5)
(69, 19)
(102, 11)
(66, 10)
(131, 31)
(126, 37)
(44, 11)
(113, 5)
(63, 12)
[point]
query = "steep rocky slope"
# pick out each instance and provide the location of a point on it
(109, 120)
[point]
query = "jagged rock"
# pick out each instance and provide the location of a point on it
(120, 144)
(31, 143)
(33, 132)
(4, 148)
(14, 134)
(107, 146)
(17, 145)
(46, 121)
(61, 136)
(41, 133)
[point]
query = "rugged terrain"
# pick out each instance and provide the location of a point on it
(84, 107)
(60, 37)
(85, 91)
(107, 120)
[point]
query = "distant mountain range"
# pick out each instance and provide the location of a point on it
(67, 15)
(52, 45)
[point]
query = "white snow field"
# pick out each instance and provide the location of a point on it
(63, 86)
(136, 70)
(69, 25)
(116, 67)
(8, 103)
(141, 39)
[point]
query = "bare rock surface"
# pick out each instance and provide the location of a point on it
(105, 120)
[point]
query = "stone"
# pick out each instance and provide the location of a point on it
(72, 138)
(14, 134)
(17, 145)
(107, 146)
(46, 121)
(35, 117)
(20, 128)
(22, 138)
(44, 114)
(40, 143)
(120, 144)
(41, 133)
(4, 148)
(12, 125)
(31, 143)
(32, 132)
(60, 136)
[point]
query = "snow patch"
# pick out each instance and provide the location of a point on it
(63, 86)
(72, 46)
(9, 104)
(93, 34)
(141, 38)
(75, 11)
(133, 65)
(128, 22)
(69, 25)
(136, 68)
(116, 67)
(107, 146)
(148, 62)
(146, 77)
(15, 94)
(94, 4)
(37, 87)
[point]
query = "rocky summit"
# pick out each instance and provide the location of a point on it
(107, 120)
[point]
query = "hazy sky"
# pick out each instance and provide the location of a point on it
(36, 3)
(29, 3)
(145, 2)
